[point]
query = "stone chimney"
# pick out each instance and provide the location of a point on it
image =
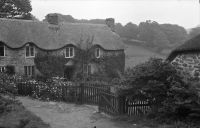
(52, 18)
(111, 23)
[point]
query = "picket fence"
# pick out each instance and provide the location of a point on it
(95, 94)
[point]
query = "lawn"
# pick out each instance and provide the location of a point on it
(138, 54)
(14, 115)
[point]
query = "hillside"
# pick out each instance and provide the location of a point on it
(137, 54)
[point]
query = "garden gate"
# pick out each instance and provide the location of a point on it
(94, 94)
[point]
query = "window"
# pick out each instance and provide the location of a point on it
(29, 70)
(2, 69)
(97, 52)
(69, 52)
(2, 49)
(87, 68)
(30, 50)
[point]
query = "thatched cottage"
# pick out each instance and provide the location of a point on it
(187, 57)
(21, 41)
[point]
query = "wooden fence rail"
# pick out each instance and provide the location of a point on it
(93, 94)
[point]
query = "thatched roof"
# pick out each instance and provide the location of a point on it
(16, 33)
(191, 45)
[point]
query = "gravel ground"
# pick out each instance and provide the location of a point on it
(65, 115)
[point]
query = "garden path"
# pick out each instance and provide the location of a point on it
(65, 115)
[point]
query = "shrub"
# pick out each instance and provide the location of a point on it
(49, 90)
(8, 83)
(50, 65)
(157, 80)
(10, 69)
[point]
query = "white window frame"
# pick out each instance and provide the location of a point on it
(4, 51)
(2, 69)
(27, 73)
(73, 53)
(86, 69)
(29, 47)
(96, 53)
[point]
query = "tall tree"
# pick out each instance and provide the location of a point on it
(19, 9)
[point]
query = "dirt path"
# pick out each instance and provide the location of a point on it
(64, 115)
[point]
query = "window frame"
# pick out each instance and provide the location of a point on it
(2, 69)
(4, 48)
(86, 68)
(73, 52)
(29, 70)
(99, 53)
(30, 46)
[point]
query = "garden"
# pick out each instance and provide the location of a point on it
(175, 101)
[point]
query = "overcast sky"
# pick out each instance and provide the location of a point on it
(185, 13)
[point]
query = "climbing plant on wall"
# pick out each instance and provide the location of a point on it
(50, 65)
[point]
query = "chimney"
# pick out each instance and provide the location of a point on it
(52, 18)
(111, 23)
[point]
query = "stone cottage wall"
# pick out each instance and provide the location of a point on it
(188, 64)
(17, 58)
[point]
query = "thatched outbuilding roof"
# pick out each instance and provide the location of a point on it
(16, 33)
(191, 45)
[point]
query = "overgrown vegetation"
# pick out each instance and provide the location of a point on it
(14, 115)
(12, 112)
(50, 65)
(173, 98)
(16, 9)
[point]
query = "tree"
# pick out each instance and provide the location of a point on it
(19, 9)
(194, 32)
(175, 34)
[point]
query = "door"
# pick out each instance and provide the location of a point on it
(69, 72)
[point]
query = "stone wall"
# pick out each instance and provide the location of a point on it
(188, 64)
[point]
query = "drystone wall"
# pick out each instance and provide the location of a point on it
(188, 64)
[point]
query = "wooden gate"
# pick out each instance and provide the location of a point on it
(109, 103)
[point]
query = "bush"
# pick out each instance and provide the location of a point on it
(49, 90)
(8, 84)
(10, 69)
(173, 98)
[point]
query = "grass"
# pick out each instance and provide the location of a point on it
(144, 122)
(14, 115)
(137, 54)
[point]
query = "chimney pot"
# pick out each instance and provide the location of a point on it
(52, 18)
(110, 23)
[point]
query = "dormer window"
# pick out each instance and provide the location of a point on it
(97, 52)
(2, 49)
(30, 50)
(69, 52)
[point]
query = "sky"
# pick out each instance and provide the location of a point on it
(185, 13)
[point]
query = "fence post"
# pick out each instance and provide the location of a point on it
(81, 93)
(121, 100)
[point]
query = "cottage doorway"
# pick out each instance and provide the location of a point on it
(69, 72)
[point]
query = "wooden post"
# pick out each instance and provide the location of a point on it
(81, 93)
(121, 100)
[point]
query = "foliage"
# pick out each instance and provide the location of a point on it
(113, 65)
(10, 69)
(159, 82)
(15, 9)
(14, 115)
(8, 84)
(50, 90)
(194, 32)
(50, 65)
(158, 37)
(175, 34)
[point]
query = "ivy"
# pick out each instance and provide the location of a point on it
(50, 65)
